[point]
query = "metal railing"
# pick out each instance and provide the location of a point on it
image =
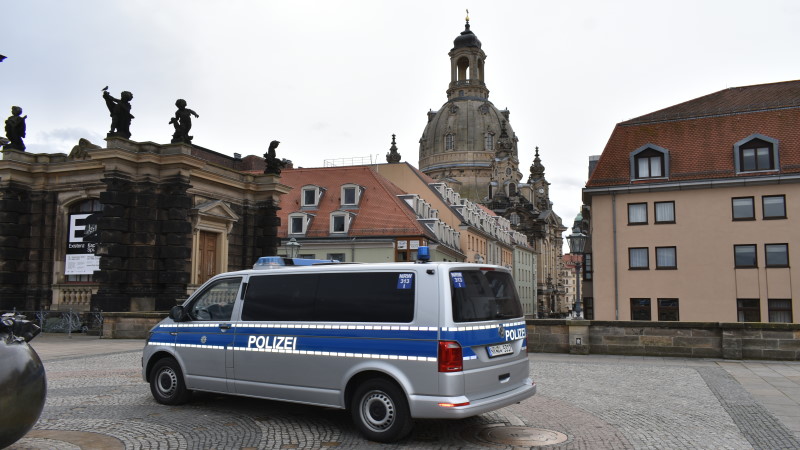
(69, 321)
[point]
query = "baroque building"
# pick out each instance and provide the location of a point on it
(469, 144)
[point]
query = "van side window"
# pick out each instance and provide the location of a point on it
(216, 301)
(483, 295)
(331, 297)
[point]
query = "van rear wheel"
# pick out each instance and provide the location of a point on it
(380, 411)
(167, 384)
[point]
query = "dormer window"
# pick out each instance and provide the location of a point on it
(756, 153)
(650, 161)
(311, 195)
(351, 194)
(340, 221)
(298, 223)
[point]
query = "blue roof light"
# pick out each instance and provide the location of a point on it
(423, 254)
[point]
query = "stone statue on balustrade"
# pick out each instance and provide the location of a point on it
(182, 122)
(120, 110)
(15, 130)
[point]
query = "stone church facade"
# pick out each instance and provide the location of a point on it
(133, 226)
(469, 144)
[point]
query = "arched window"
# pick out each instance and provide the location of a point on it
(488, 142)
(449, 141)
(462, 67)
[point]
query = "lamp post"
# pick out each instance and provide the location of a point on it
(293, 248)
(577, 244)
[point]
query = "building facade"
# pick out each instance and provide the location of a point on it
(693, 211)
(133, 226)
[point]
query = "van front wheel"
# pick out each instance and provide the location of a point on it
(380, 411)
(166, 383)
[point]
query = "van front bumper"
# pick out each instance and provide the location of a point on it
(428, 407)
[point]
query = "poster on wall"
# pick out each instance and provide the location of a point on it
(80, 259)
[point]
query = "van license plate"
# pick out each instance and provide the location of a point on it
(499, 350)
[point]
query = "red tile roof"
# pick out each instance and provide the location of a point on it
(700, 134)
(379, 212)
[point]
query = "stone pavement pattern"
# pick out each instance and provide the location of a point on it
(97, 400)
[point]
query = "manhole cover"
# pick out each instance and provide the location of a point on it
(522, 436)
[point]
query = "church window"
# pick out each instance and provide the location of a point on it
(449, 141)
(489, 142)
(514, 219)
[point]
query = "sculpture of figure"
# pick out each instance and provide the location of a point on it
(121, 116)
(274, 165)
(182, 122)
(15, 129)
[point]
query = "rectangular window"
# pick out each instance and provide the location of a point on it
(337, 256)
(748, 310)
(587, 266)
(780, 310)
(777, 255)
(668, 310)
(349, 196)
(756, 159)
(640, 309)
(309, 197)
(665, 212)
(296, 225)
(340, 297)
(744, 256)
(649, 167)
(637, 213)
(337, 224)
(743, 208)
(666, 258)
(588, 308)
(774, 206)
(638, 258)
(479, 295)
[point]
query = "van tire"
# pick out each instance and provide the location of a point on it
(380, 411)
(167, 384)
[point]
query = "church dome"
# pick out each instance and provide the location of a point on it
(466, 39)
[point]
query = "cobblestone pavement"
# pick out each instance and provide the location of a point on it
(97, 400)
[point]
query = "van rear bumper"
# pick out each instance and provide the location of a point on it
(427, 407)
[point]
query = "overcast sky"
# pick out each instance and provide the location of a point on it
(335, 79)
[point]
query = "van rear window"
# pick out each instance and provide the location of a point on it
(480, 295)
(331, 297)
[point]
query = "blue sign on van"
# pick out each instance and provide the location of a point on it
(404, 280)
(458, 280)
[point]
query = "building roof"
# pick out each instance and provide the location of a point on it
(700, 135)
(379, 212)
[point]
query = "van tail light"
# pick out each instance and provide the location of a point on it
(450, 357)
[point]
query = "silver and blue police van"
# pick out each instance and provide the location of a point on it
(390, 342)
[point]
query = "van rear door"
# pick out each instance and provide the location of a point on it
(488, 324)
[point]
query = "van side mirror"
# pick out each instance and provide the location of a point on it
(178, 314)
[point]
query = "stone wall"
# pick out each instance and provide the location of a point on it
(120, 325)
(774, 341)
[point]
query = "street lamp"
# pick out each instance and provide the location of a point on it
(577, 244)
(293, 248)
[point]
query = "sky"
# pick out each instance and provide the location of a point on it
(335, 79)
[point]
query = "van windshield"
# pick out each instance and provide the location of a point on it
(480, 295)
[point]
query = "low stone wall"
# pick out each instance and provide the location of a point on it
(130, 325)
(774, 341)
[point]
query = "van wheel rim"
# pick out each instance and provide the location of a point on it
(378, 411)
(167, 382)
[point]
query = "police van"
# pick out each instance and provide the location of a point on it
(390, 342)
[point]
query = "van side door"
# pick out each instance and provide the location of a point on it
(202, 343)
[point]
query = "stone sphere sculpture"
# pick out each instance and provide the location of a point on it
(23, 385)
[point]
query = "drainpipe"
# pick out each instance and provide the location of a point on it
(616, 265)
